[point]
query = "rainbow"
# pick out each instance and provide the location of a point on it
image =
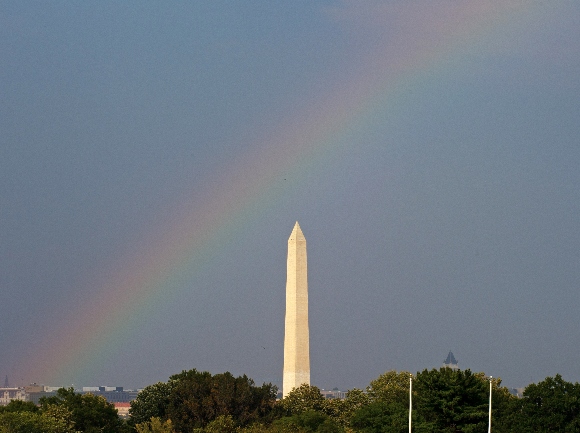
(185, 244)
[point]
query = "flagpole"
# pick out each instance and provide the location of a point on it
(410, 399)
(489, 422)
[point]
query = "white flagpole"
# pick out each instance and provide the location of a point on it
(410, 399)
(489, 423)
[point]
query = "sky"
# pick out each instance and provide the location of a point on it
(154, 158)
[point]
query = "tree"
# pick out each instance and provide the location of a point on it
(552, 405)
(452, 400)
(390, 387)
(19, 406)
(222, 424)
(302, 399)
(193, 399)
(21, 422)
(386, 408)
(197, 398)
(62, 417)
(307, 410)
(151, 402)
(308, 421)
(90, 413)
(381, 417)
(155, 425)
(342, 410)
(31, 422)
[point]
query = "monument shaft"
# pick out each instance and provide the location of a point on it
(296, 337)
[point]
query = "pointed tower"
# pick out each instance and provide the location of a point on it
(451, 362)
(296, 337)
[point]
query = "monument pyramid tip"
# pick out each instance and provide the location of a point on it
(297, 232)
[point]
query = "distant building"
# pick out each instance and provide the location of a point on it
(518, 392)
(33, 387)
(123, 409)
(9, 394)
(115, 394)
(333, 393)
(451, 362)
(35, 396)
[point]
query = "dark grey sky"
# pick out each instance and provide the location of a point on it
(154, 158)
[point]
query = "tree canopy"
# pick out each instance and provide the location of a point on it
(89, 413)
(19, 406)
(452, 400)
(444, 400)
(151, 402)
(552, 405)
(390, 387)
(32, 422)
(302, 399)
(193, 399)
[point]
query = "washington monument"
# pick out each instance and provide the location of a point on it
(296, 336)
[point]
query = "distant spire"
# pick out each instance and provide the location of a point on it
(451, 362)
(450, 359)
(6, 382)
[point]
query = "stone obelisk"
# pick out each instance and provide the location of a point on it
(296, 337)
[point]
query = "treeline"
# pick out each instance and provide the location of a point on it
(444, 400)
(67, 412)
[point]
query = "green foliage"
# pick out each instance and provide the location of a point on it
(22, 422)
(552, 405)
(334, 408)
(381, 417)
(302, 399)
(390, 387)
(307, 421)
(307, 410)
(452, 400)
(90, 413)
(194, 400)
(155, 425)
(384, 408)
(19, 406)
(61, 415)
(31, 422)
(151, 402)
(444, 401)
(355, 399)
(197, 398)
(222, 424)
(255, 428)
(342, 410)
